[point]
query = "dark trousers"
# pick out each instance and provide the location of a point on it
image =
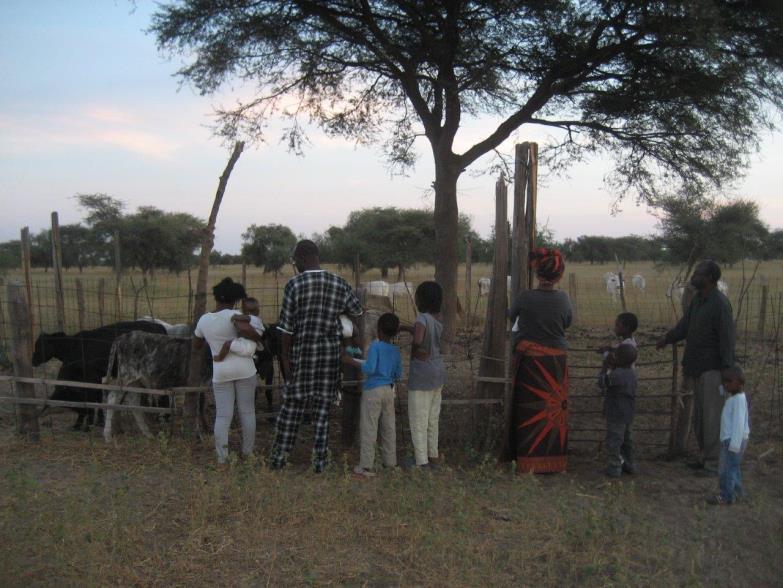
(288, 420)
(619, 446)
(707, 408)
(352, 398)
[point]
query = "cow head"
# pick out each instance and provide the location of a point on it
(47, 346)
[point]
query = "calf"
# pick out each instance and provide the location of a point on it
(84, 357)
(146, 360)
(265, 360)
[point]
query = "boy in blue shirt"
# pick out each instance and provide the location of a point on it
(382, 368)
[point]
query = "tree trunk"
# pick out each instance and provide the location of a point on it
(190, 405)
(446, 246)
(385, 273)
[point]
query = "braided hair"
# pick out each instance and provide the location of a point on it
(547, 263)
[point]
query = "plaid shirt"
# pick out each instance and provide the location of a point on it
(312, 304)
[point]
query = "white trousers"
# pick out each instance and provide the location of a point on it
(423, 413)
(244, 392)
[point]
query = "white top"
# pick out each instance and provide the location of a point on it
(255, 322)
(734, 426)
(216, 328)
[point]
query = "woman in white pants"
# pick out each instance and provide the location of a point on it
(233, 378)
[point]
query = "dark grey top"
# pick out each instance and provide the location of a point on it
(430, 373)
(708, 330)
(544, 316)
(619, 387)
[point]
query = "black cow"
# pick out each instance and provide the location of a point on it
(84, 357)
(265, 359)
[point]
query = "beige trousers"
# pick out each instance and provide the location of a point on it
(423, 413)
(377, 409)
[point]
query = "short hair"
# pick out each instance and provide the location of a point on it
(389, 324)
(251, 300)
(306, 248)
(625, 355)
(228, 291)
(429, 297)
(712, 269)
(734, 371)
(629, 320)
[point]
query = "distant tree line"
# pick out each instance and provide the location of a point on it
(390, 239)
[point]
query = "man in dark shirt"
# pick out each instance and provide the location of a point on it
(708, 330)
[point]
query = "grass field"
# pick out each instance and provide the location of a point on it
(167, 295)
(152, 513)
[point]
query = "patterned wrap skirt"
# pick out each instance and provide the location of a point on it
(539, 431)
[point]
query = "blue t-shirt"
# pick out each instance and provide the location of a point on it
(383, 365)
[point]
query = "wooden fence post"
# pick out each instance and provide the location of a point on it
(118, 278)
(531, 206)
(519, 241)
(468, 279)
(57, 272)
(22, 353)
(80, 303)
(572, 294)
(493, 357)
(675, 402)
(2, 315)
(101, 300)
(28, 277)
(763, 309)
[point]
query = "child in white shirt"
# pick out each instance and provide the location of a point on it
(734, 433)
(241, 346)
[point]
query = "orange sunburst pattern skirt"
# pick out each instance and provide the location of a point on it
(539, 432)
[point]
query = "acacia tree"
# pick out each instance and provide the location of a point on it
(269, 246)
(672, 90)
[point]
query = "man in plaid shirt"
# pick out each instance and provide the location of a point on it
(310, 326)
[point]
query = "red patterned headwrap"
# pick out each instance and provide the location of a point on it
(547, 263)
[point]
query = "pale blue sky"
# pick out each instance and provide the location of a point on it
(88, 105)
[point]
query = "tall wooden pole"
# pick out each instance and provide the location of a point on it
(117, 278)
(22, 353)
(28, 278)
(531, 205)
(519, 239)
(468, 279)
(57, 272)
(80, 303)
(190, 406)
(494, 348)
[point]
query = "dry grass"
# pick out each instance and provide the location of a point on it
(75, 512)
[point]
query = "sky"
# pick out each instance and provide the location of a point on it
(88, 104)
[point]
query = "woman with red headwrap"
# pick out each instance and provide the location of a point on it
(539, 432)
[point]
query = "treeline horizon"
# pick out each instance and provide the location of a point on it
(385, 238)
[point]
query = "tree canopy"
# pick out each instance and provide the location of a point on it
(268, 246)
(674, 91)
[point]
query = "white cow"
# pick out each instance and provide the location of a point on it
(178, 330)
(676, 290)
(401, 289)
(639, 282)
(485, 283)
(613, 286)
(376, 288)
(609, 276)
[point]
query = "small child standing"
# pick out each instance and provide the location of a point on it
(625, 326)
(427, 374)
(383, 367)
(619, 386)
(242, 346)
(734, 433)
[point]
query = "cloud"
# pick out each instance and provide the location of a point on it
(93, 126)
